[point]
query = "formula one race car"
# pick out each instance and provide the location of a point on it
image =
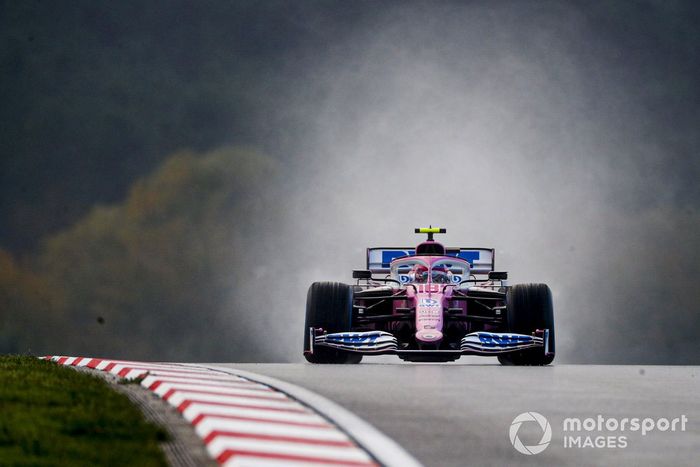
(429, 306)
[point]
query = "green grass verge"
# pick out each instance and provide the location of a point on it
(52, 415)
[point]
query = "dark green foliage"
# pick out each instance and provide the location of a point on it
(51, 415)
(149, 278)
(136, 381)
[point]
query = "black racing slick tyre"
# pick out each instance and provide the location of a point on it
(329, 306)
(529, 307)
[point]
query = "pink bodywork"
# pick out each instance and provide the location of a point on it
(429, 300)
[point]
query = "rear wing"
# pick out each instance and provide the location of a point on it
(482, 260)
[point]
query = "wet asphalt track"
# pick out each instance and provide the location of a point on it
(460, 414)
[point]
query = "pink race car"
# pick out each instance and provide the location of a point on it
(431, 304)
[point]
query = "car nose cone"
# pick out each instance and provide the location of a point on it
(428, 335)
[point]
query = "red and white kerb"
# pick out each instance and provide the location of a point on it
(242, 422)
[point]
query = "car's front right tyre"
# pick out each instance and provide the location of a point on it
(328, 306)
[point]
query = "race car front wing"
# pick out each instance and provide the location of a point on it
(475, 343)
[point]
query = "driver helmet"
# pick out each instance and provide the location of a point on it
(441, 278)
(420, 273)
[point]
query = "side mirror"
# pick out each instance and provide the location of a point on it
(498, 275)
(361, 274)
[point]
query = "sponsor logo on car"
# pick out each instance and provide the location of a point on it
(428, 302)
(502, 340)
(388, 255)
(353, 337)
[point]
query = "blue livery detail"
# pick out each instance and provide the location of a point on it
(389, 256)
(503, 340)
(353, 338)
(470, 256)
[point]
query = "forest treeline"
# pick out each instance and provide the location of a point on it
(148, 277)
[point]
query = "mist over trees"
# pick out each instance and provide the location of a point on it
(148, 276)
(114, 239)
(95, 94)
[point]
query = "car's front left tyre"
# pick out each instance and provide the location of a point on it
(329, 306)
(529, 308)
